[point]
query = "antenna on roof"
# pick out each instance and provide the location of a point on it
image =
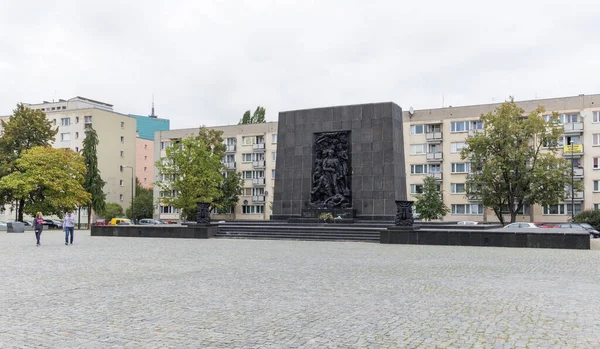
(152, 115)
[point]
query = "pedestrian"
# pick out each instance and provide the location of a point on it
(38, 226)
(69, 225)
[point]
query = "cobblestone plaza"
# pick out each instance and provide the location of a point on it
(105, 292)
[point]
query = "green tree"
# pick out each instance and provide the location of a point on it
(430, 204)
(49, 180)
(231, 188)
(514, 161)
(192, 168)
(591, 217)
(25, 129)
(257, 118)
(112, 210)
(93, 180)
(143, 205)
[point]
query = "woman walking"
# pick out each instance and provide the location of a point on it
(38, 226)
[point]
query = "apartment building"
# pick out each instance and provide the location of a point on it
(144, 144)
(433, 139)
(251, 150)
(116, 134)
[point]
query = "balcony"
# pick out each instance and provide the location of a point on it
(437, 176)
(258, 148)
(473, 132)
(578, 173)
(230, 148)
(433, 137)
(258, 198)
(229, 165)
(436, 157)
(574, 150)
(573, 127)
(578, 195)
(258, 182)
(258, 164)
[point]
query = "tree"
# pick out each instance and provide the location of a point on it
(591, 217)
(193, 170)
(430, 204)
(25, 129)
(112, 210)
(93, 180)
(514, 161)
(231, 188)
(143, 205)
(49, 180)
(257, 118)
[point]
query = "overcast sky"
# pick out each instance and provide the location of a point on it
(209, 61)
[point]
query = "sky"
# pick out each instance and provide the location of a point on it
(206, 62)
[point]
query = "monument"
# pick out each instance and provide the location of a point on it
(346, 160)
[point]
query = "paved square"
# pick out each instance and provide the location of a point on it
(107, 292)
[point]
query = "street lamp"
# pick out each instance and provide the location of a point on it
(132, 189)
(572, 184)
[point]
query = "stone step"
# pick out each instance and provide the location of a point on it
(308, 237)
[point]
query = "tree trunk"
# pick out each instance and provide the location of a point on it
(499, 216)
(513, 217)
(20, 210)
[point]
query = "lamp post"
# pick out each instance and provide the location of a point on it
(572, 184)
(132, 190)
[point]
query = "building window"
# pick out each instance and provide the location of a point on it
(274, 138)
(247, 191)
(596, 163)
(596, 186)
(164, 145)
(248, 140)
(122, 153)
(457, 188)
(596, 207)
(53, 122)
(457, 147)
(247, 174)
(461, 167)
(76, 149)
(596, 116)
(253, 209)
(145, 180)
(417, 129)
(145, 169)
(87, 119)
(120, 197)
(416, 188)
(467, 209)
(168, 209)
(121, 168)
(596, 138)
(122, 139)
(76, 135)
(273, 174)
(65, 137)
(65, 121)
(145, 157)
(435, 168)
(145, 146)
(459, 126)
(121, 183)
(418, 169)
(561, 209)
(64, 107)
(246, 157)
(77, 119)
(274, 155)
(122, 124)
(418, 149)
(476, 125)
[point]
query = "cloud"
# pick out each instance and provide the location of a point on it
(209, 61)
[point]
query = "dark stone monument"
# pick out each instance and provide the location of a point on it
(404, 214)
(203, 215)
(346, 160)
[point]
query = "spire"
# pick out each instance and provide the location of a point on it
(153, 115)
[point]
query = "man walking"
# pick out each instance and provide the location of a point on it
(69, 226)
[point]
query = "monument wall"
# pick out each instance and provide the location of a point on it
(376, 175)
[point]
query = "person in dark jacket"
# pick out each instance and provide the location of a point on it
(38, 226)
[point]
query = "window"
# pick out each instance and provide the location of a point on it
(461, 167)
(457, 188)
(76, 135)
(164, 145)
(435, 168)
(417, 149)
(596, 186)
(122, 124)
(274, 138)
(65, 137)
(247, 191)
(65, 121)
(273, 174)
(145, 169)
(145, 179)
(168, 209)
(145, 157)
(77, 119)
(247, 174)
(248, 140)
(569, 118)
(122, 139)
(596, 138)
(596, 163)
(87, 119)
(54, 122)
(121, 182)
(418, 169)
(475, 209)
(246, 157)
(77, 149)
(121, 168)
(416, 188)
(477, 125)
(596, 207)
(64, 107)
(457, 147)
(417, 129)
(120, 197)
(122, 153)
(560, 209)
(596, 117)
(145, 146)
(459, 126)
(274, 155)
(253, 209)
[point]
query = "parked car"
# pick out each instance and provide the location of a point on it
(120, 221)
(467, 223)
(26, 223)
(100, 222)
(3, 224)
(521, 225)
(52, 224)
(593, 232)
(149, 221)
(545, 225)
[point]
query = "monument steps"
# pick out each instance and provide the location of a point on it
(317, 232)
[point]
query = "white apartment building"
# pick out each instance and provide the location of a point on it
(251, 150)
(116, 135)
(433, 139)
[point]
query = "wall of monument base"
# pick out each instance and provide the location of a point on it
(154, 231)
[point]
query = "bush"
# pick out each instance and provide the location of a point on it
(112, 210)
(591, 217)
(327, 216)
